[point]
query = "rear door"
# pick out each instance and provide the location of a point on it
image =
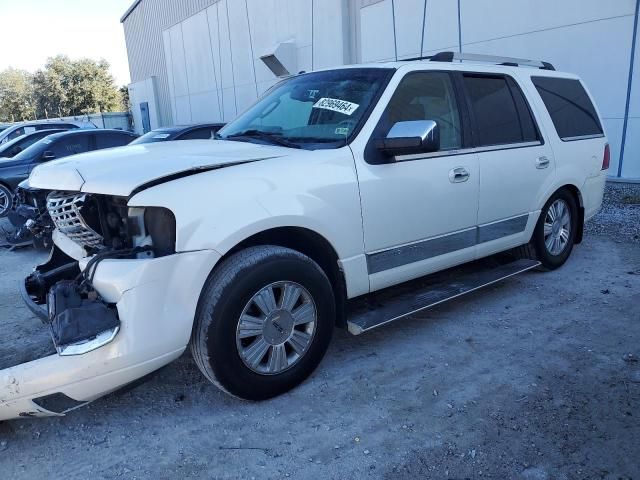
(70, 145)
(516, 164)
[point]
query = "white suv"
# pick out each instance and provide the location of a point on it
(332, 187)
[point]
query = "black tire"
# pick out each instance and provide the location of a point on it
(536, 248)
(231, 285)
(5, 208)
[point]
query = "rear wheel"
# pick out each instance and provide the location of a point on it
(555, 232)
(264, 322)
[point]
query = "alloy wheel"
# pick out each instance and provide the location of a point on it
(276, 327)
(5, 202)
(557, 227)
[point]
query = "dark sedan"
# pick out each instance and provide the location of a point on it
(58, 145)
(201, 131)
(15, 146)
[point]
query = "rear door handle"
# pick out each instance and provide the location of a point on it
(458, 175)
(542, 162)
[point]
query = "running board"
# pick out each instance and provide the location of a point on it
(397, 302)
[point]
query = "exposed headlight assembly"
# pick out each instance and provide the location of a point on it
(154, 227)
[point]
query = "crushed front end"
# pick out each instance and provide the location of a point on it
(116, 298)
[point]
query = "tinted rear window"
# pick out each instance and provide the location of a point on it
(112, 139)
(501, 113)
(571, 110)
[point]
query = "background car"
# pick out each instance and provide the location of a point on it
(4, 125)
(19, 129)
(58, 145)
(15, 146)
(202, 131)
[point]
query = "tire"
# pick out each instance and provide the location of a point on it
(538, 248)
(235, 289)
(6, 200)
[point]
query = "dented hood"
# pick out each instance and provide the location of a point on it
(120, 171)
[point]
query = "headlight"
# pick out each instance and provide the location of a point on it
(160, 224)
(155, 227)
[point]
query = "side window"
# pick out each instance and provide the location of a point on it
(569, 106)
(500, 109)
(427, 96)
(109, 140)
(18, 132)
(198, 134)
(70, 146)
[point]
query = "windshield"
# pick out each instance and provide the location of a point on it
(152, 137)
(314, 110)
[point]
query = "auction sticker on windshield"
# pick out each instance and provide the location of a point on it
(335, 105)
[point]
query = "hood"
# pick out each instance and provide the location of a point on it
(120, 171)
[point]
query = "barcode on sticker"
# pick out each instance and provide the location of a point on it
(335, 105)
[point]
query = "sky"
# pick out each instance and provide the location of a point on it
(33, 30)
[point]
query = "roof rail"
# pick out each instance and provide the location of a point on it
(475, 57)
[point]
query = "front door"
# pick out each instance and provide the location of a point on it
(419, 212)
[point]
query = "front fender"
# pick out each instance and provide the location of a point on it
(218, 209)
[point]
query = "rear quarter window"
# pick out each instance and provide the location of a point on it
(572, 112)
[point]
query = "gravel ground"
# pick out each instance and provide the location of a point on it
(620, 214)
(534, 378)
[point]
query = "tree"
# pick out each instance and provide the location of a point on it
(64, 87)
(75, 87)
(126, 100)
(17, 100)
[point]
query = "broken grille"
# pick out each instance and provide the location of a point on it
(64, 210)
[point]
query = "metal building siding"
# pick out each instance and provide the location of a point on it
(143, 29)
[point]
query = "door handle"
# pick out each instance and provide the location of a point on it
(458, 175)
(542, 162)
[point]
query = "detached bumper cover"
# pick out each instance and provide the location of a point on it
(156, 301)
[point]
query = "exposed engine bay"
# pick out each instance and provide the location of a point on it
(105, 228)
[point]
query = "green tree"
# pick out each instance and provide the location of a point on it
(75, 87)
(17, 100)
(62, 88)
(126, 100)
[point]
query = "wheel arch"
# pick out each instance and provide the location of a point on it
(577, 196)
(311, 244)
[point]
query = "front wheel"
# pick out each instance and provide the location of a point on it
(6, 200)
(264, 322)
(555, 232)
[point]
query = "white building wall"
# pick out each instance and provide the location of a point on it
(589, 37)
(631, 165)
(141, 92)
(213, 57)
(214, 71)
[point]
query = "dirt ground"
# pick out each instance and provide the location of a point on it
(535, 378)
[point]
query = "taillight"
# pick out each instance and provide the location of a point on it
(606, 159)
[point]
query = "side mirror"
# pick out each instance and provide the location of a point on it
(48, 155)
(406, 138)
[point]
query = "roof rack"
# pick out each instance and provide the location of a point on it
(475, 57)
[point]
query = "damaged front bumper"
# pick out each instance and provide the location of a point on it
(155, 300)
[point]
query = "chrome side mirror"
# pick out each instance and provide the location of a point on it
(405, 138)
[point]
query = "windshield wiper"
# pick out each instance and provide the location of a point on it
(275, 138)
